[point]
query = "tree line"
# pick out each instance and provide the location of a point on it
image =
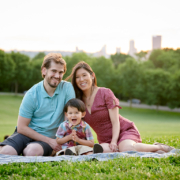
(155, 81)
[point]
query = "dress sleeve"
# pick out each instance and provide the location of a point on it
(110, 99)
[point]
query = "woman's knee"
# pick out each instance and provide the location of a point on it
(127, 145)
(33, 150)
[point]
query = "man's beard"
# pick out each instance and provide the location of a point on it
(53, 85)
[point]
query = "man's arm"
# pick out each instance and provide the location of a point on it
(22, 127)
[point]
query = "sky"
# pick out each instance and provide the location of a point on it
(63, 25)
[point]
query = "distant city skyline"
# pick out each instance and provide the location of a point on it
(156, 44)
(64, 25)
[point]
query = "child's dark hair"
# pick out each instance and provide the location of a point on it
(77, 103)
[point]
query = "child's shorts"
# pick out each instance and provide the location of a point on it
(77, 150)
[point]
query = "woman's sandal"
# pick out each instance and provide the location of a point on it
(165, 147)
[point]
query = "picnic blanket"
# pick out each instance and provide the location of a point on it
(5, 159)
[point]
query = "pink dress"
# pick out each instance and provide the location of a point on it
(100, 121)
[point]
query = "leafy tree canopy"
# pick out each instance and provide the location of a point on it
(40, 55)
(119, 58)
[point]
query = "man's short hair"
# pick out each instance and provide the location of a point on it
(56, 57)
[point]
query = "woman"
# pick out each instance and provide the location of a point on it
(114, 132)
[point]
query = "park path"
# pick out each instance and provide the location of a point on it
(145, 106)
(126, 104)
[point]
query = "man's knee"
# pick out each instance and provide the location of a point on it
(33, 149)
(7, 150)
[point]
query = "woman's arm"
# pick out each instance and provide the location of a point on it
(114, 117)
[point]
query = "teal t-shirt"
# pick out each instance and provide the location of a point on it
(46, 112)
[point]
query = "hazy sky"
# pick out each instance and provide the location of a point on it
(64, 24)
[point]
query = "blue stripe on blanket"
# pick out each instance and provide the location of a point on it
(5, 159)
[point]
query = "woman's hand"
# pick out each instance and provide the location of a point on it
(113, 146)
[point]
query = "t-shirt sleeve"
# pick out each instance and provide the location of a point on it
(27, 106)
(110, 99)
(88, 132)
(61, 131)
(70, 94)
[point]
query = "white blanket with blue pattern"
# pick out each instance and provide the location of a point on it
(5, 159)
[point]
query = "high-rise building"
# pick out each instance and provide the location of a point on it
(102, 52)
(132, 49)
(156, 42)
(118, 50)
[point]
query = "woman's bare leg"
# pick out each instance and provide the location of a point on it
(88, 153)
(106, 148)
(130, 145)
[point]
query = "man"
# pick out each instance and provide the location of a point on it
(41, 112)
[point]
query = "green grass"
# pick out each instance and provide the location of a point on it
(9, 107)
(152, 123)
(122, 168)
(154, 126)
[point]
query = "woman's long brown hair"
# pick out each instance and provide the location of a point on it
(80, 65)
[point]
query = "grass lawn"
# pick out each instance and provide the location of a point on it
(153, 126)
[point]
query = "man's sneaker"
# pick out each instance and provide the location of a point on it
(97, 149)
(69, 152)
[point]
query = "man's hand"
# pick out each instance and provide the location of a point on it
(54, 145)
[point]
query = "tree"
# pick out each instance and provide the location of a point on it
(154, 56)
(174, 89)
(119, 58)
(21, 72)
(168, 61)
(155, 85)
(38, 56)
(129, 73)
(73, 60)
(178, 51)
(141, 55)
(104, 71)
(34, 73)
(6, 71)
(168, 49)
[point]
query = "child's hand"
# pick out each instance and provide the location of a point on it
(73, 132)
(75, 138)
